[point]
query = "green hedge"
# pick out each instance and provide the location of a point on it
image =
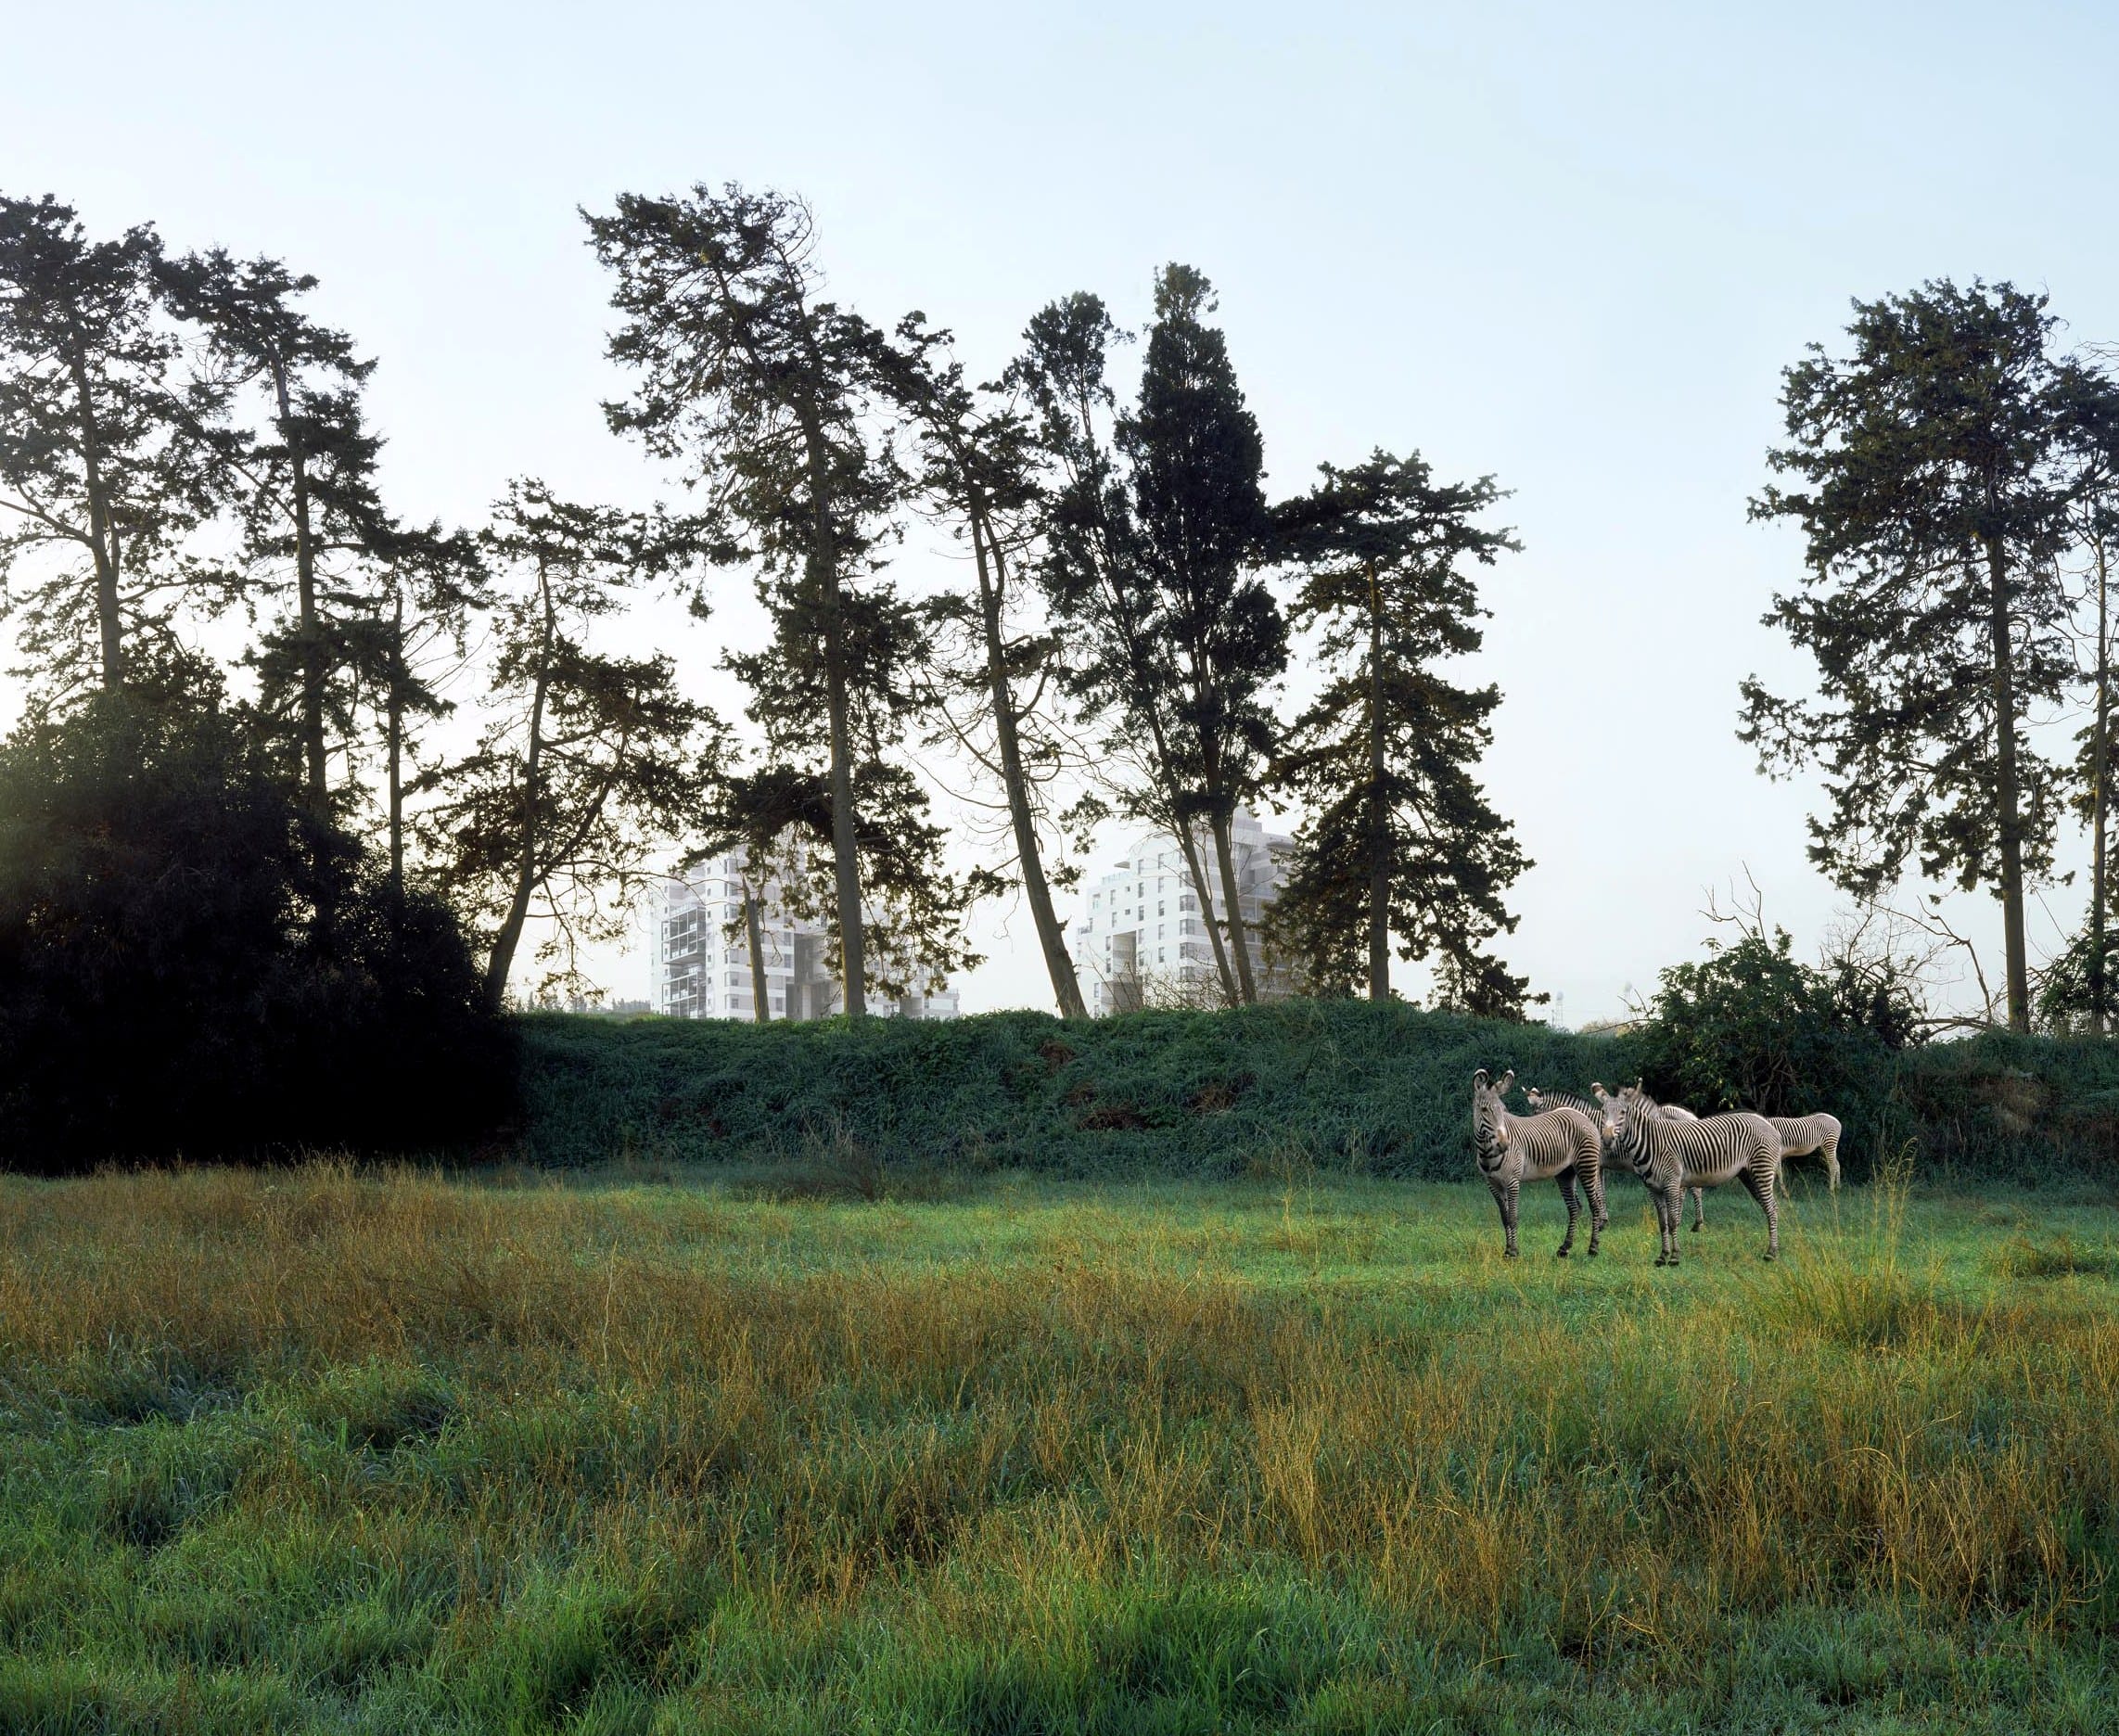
(1342, 1083)
(1339, 1084)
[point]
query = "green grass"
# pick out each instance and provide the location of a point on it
(867, 1450)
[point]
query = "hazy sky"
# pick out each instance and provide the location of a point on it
(1571, 245)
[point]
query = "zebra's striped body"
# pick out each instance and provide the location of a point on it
(1595, 1111)
(1559, 1145)
(1801, 1135)
(1670, 1156)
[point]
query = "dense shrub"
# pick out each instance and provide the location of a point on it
(1268, 1090)
(190, 963)
(1337, 1083)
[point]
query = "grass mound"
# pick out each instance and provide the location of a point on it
(1342, 1086)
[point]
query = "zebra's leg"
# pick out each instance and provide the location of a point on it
(1673, 1215)
(1574, 1211)
(1831, 1151)
(1593, 1185)
(1767, 1194)
(1699, 1209)
(1504, 1202)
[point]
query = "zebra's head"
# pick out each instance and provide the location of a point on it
(1489, 1117)
(1623, 1116)
(1612, 1122)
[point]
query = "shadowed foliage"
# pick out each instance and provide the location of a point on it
(165, 988)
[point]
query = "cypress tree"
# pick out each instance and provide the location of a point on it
(1400, 838)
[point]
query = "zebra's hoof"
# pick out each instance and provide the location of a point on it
(1559, 1254)
(1697, 1228)
(1509, 1255)
(1592, 1250)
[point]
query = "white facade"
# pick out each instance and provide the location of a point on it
(702, 955)
(1142, 935)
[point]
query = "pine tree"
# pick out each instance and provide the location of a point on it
(2090, 419)
(1195, 473)
(1400, 837)
(106, 454)
(1931, 456)
(767, 393)
(992, 675)
(1120, 671)
(313, 524)
(588, 762)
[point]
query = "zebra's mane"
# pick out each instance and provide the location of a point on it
(1565, 1100)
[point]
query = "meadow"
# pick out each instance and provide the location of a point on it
(845, 1449)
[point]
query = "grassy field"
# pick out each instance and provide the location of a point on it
(324, 1449)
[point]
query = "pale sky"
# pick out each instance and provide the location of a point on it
(1570, 246)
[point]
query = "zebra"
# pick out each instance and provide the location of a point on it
(1669, 1156)
(1669, 1112)
(1801, 1135)
(1559, 1145)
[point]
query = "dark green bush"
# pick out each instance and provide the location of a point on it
(192, 964)
(1271, 1089)
(1338, 1083)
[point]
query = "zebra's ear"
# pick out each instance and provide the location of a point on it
(1507, 1079)
(1480, 1077)
(1597, 1090)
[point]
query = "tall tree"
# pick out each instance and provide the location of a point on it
(911, 910)
(1116, 669)
(403, 652)
(589, 761)
(1196, 471)
(977, 469)
(754, 816)
(312, 521)
(106, 454)
(1400, 837)
(1931, 461)
(765, 391)
(2090, 398)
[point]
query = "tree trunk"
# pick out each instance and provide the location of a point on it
(102, 535)
(2018, 963)
(315, 760)
(1059, 965)
(2097, 770)
(1224, 849)
(510, 936)
(1379, 821)
(396, 733)
(846, 861)
(761, 1004)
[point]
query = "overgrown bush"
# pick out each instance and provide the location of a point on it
(1335, 1084)
(1271, 1091)
(191, 964)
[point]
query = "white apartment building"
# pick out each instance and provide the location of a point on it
(1142, 934)
(702, 955)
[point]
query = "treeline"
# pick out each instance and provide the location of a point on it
(186, 460)
(214, 599)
